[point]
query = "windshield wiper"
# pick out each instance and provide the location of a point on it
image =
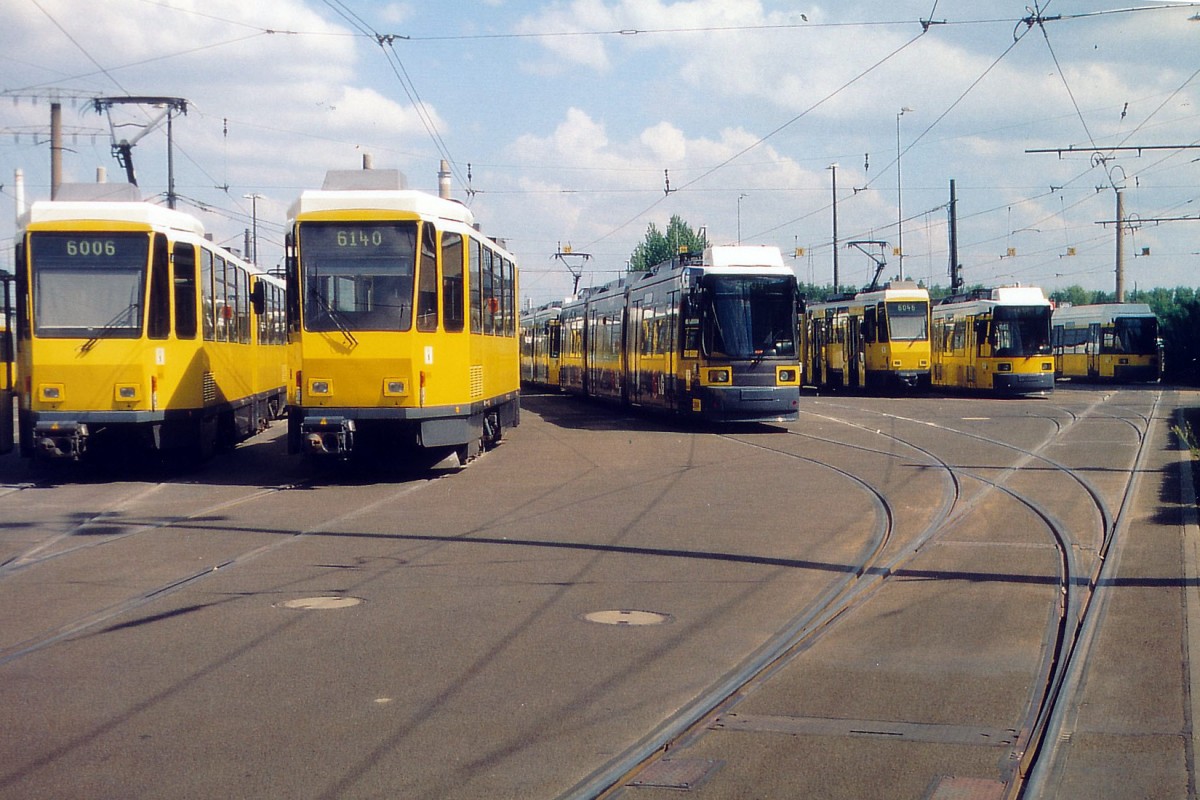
(335, 316)
(118, 320)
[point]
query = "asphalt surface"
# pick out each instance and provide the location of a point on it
(863, 603)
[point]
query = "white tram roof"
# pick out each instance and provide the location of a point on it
(999, 296)
(1019, 295)
(740, 256)
(114, 207)
(1100, 312)
(376, 190)
(892, 290)
(403, 200)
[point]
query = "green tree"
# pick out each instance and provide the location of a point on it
(658, 247)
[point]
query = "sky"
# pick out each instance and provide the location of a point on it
(576, 124)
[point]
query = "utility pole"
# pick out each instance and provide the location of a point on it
(1099, 159)
(56, 147)
(833, 169)
(956, 281)
(254, 198)
(899, 197)
(1120, 246)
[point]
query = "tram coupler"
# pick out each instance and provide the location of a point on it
(60, 440)
(327, 436)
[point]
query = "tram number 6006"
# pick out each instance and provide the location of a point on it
(91, 247)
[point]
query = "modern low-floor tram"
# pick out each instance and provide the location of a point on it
(1116, 342)
(877, 340)
(993, 340)
(711, 336)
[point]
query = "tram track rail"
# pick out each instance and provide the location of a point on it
(822, 612)
(1067, 638)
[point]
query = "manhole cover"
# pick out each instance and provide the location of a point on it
(322, 603)
(627, 617)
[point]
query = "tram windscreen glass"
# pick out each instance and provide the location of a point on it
(750, 316)
(908, 320)
(1019, 331)
(358, 276)
(1136, 335)
(88, 284)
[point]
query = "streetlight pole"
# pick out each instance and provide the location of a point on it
(253, 198)
(739, 216)
(899, 198)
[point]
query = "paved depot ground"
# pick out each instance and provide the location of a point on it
(472, 667)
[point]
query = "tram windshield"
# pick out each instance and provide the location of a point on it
(1132, 335)
(1020, 331)
(750, 316)
(358, 275)
(88, 284)
(908, 320)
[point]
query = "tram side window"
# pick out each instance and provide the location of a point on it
(475, 270)
(185, 291)
(262, 327)
(207, 306)
(279, 316)
(245, 318)
(868, 328)
(427, 282)
(504, 276)
(452, 282)
(490, 304)
(221, 310)
(958, 338)
(235, 300)
(158, 321)
(1075, 338)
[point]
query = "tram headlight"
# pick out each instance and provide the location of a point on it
(319, 386)
(719, 375)
(125, 392)
(51, 392)
(395, 387)
(1003, 366)
(787, 375)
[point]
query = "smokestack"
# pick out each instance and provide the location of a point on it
(19, 191)
(444, 180)
(368, 161)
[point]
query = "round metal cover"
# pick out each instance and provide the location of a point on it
(322, 603)
(627, 617)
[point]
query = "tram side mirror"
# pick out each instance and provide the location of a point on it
(258, 298)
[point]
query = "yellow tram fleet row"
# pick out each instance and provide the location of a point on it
(1004, 341)
(396, 327)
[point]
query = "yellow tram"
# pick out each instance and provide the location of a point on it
(1107, 342)
(134, 330)
(876, 339)
(710, 335)
(994, 340)
(404, 317)
(540, 345)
